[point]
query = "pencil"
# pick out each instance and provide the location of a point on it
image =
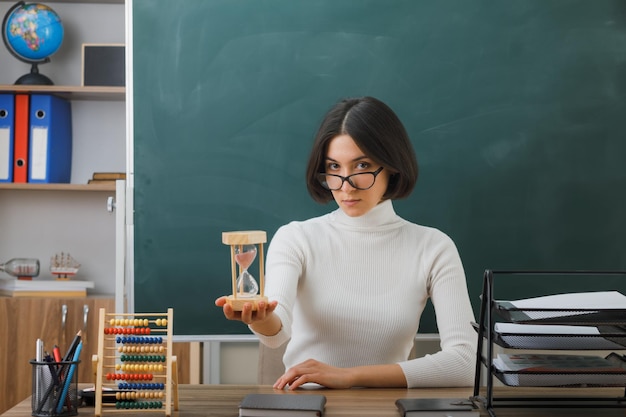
(69, 355)
(68, 380)
(70, 352)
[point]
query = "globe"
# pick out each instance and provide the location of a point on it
(32, 33)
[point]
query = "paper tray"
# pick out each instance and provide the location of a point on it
(608, 338)
(509, 312)
(521, 379)
(567, 378)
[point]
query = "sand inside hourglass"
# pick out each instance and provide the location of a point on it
(245, 259)
(246, 284)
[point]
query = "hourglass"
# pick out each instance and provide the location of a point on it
(243, 252)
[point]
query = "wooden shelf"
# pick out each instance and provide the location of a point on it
(70, 92)
(57, 187)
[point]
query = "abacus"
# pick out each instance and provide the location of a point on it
(134, 367)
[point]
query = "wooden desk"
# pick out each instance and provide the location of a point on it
(222, 401)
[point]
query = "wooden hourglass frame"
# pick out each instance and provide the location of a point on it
(240, 239)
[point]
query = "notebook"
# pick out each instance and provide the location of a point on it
(436, 407)
(287, 404)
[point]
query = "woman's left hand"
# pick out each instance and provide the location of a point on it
(316, 372)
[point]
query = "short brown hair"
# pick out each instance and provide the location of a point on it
(378, 132)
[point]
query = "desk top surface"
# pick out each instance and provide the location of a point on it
(223, 400)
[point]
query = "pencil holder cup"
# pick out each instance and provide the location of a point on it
(55, 388)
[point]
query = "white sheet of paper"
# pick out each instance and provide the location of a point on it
(582, 300)
(591, 301)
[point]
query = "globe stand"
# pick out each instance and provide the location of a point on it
(34, 77)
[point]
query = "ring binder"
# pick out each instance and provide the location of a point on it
(50, 140)
(20, 149)
(7, 131)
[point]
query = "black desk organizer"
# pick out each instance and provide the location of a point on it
(611, 323)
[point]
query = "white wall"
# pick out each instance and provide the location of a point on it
(39, 224)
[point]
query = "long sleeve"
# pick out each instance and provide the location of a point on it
(343, 282)
(454, 365)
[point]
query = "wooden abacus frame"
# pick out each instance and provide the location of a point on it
(249, 237)
(108, 358)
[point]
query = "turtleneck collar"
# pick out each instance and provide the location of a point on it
(382, 214)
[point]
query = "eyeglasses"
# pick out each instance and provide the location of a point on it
(360, 180)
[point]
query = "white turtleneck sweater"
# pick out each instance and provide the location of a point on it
(351, 291)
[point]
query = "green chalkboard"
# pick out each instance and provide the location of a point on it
(516, 110)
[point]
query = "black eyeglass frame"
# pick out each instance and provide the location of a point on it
(321, 177)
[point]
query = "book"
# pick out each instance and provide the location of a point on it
(436, 407)
(275, 405)
(44, 288)
(92, 181)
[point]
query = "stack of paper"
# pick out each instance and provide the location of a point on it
(552, 336)
(569, 307)
(44, 288)
(558, 370)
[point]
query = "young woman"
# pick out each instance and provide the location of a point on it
(347, 289)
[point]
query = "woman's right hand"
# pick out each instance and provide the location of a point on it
(248, 316)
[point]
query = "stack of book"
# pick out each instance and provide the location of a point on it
(106, 177)
(44, 288)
